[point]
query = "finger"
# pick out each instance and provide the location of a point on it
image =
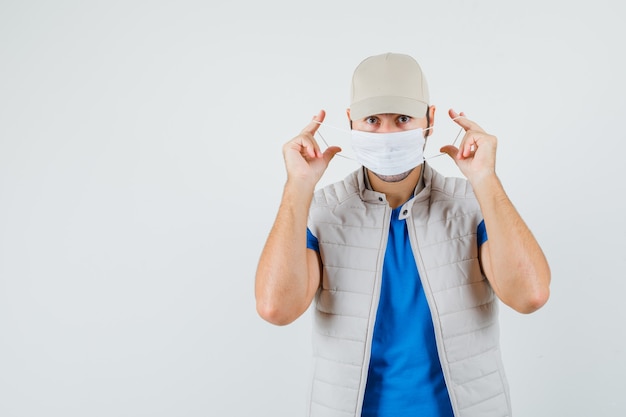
(309, 145)
(464, 122)
(470, 143)
(469, 149)
(306, 138)
(314, 124)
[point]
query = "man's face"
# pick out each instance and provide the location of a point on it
(389, 123)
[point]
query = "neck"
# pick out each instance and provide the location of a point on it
(399, 192)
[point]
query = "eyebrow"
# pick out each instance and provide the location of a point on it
(388, 114)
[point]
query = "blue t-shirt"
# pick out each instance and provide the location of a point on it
(405, 376)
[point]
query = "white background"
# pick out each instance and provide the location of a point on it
(141, 169)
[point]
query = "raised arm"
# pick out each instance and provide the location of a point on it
(288, 274)
(511, 259)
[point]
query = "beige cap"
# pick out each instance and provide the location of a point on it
(388, 83)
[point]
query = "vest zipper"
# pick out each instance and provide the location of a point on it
(421, 270)
(374, 309)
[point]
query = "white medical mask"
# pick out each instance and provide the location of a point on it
(417, 136)
(389, 153)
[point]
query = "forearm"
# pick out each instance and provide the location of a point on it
(517, 268)
(283, 288)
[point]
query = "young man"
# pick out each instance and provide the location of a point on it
(405, 264)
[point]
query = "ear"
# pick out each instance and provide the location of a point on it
(431, 119)
(349, 119)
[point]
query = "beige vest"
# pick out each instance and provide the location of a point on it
(351, 223)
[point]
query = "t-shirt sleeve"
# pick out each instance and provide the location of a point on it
(482, 233)
(311, 241)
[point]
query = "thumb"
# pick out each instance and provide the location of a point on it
(330, 153)
(450, 150)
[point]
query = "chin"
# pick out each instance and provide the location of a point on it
(395, 177)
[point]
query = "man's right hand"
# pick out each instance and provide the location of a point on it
(304, 160)
(288, 274)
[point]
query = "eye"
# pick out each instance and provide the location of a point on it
(371, 120)
(404, 119)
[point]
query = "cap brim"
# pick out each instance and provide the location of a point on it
(393, 105)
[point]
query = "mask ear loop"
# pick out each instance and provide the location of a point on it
(326, 143)
(461, 130)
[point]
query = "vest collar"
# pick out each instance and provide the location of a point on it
(422, 189)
